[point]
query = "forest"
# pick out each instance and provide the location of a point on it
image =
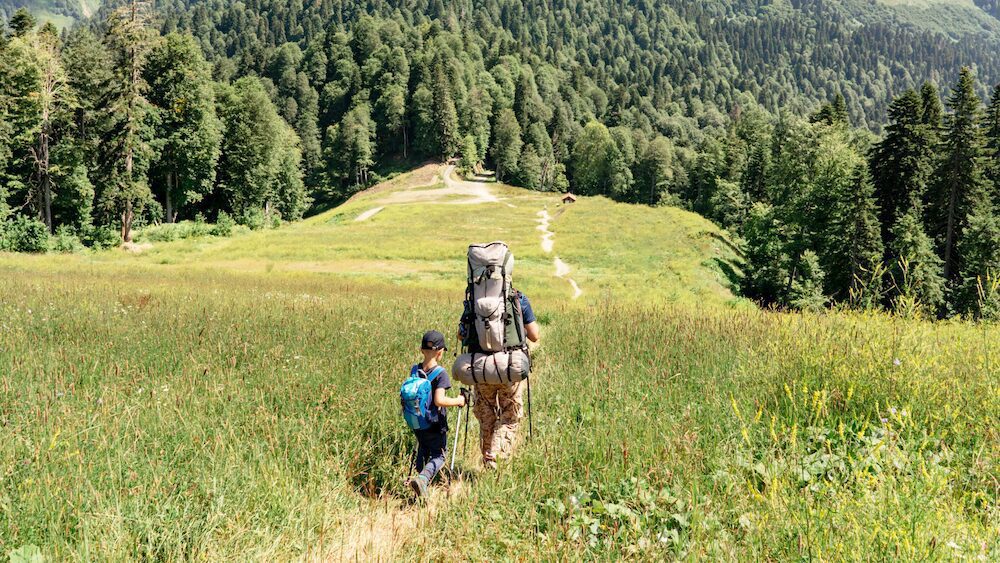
(838, 171)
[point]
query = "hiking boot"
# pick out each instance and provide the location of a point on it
(489, 465)
(419, 486)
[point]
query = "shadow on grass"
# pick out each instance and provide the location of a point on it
(732, 275)
(728, 244)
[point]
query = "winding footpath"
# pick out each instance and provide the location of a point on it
(562, 268)
(468, 192)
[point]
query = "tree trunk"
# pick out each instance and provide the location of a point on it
(169, 218)
(404, 142)
(949, 237)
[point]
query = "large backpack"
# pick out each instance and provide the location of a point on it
(416, 396)
(492, 322)
(492, 319)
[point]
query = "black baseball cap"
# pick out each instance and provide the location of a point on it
(432, 340)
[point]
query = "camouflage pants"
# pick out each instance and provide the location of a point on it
(498, 407)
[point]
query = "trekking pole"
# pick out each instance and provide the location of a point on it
(531, 433)
(465, 445)
(454, 450)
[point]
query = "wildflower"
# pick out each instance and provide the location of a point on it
(892, 410)
(897, 362)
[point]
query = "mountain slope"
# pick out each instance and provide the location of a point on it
(672, 60)
(62, 13)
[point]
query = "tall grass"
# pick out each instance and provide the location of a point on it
(235, 399)
(247, 416)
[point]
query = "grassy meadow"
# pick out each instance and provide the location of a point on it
(236, 398)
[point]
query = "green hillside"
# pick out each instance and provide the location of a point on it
(235, 399)
(605, 244)
(62, 13)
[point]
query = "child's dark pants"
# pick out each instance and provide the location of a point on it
(431, 444)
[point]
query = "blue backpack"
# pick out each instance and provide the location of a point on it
(417, 398)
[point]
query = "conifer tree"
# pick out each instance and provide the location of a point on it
(445, 115)
(915, 268)
(806, 291)
(931, 110)
(901, 162)
(854, 236)
(980, 250)
(958, 183)
(993, 145)
(128, 147)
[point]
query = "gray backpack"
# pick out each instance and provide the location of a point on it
(492, 323)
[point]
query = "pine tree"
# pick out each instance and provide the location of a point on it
(855, 237)
(931, 110)
(992, 124)
(128, 149)
(958, 184)
(22, 22)
(445, 115)
(806, 291)
(980, 250)
(901, 162)
(915, 267)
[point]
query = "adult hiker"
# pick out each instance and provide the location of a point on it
(495, 328)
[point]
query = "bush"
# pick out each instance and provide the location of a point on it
(23, 234)
(200, 228)
(254, 218)
(65, 241)
(160, 233)
(100, 238)
(274, 220)
(223, 225)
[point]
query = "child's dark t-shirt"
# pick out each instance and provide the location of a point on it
(442, 381)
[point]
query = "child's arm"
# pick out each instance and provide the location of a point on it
(442, 400)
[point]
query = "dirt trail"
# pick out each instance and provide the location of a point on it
(382, 532)
(369, 214)
(472, 191)
(562, 268)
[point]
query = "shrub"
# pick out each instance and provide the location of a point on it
(274, 220)
(254, 218)
(223, 225)
(199, 227)
(65, 241)
(23, 234)
(102, 237)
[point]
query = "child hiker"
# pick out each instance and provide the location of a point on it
(424, 401)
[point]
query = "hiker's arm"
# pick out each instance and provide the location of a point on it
(442, 400)
(531, 331)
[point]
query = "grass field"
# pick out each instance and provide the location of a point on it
(236, 399)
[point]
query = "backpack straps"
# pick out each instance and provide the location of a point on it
(418, 371)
